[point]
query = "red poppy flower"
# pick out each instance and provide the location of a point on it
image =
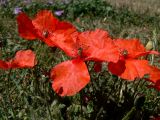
(129, 67)
(69, 77)
(41, 27)
(22, 59)
(98, 46)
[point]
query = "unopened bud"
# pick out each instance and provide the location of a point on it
(149, 45)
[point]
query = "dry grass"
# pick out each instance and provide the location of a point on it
(140, 6)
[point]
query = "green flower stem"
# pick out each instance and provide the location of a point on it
(129, 114)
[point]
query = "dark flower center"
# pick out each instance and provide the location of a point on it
(45, 33)
(124, 53)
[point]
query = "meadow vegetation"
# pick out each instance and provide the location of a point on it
(26, 94)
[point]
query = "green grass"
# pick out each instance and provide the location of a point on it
(26, 94)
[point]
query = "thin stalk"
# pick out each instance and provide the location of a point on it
(49, 111)
(126, 87)
(8, 93)
(130, 114)
(119, 92)
(81, 95)
(8, 81)
(136, 87)
(5, 110)
(113, 88)
(154, 46)
(155, 104)
(98, 114)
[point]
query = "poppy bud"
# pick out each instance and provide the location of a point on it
(149, 45)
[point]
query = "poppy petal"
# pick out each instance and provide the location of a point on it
(154, 74)
(45, 21)
(117, 68)
(66, 41)
(45, 24)
(98, 46)
(146, 53)
(132, 46)
(25, 27)
(24, 59)
(69, 77)
(157, 85)
(63, 25)
(4, 65)
(133, 69)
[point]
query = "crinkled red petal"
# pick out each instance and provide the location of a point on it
(69, 77)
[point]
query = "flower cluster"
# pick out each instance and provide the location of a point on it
(124, 56)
